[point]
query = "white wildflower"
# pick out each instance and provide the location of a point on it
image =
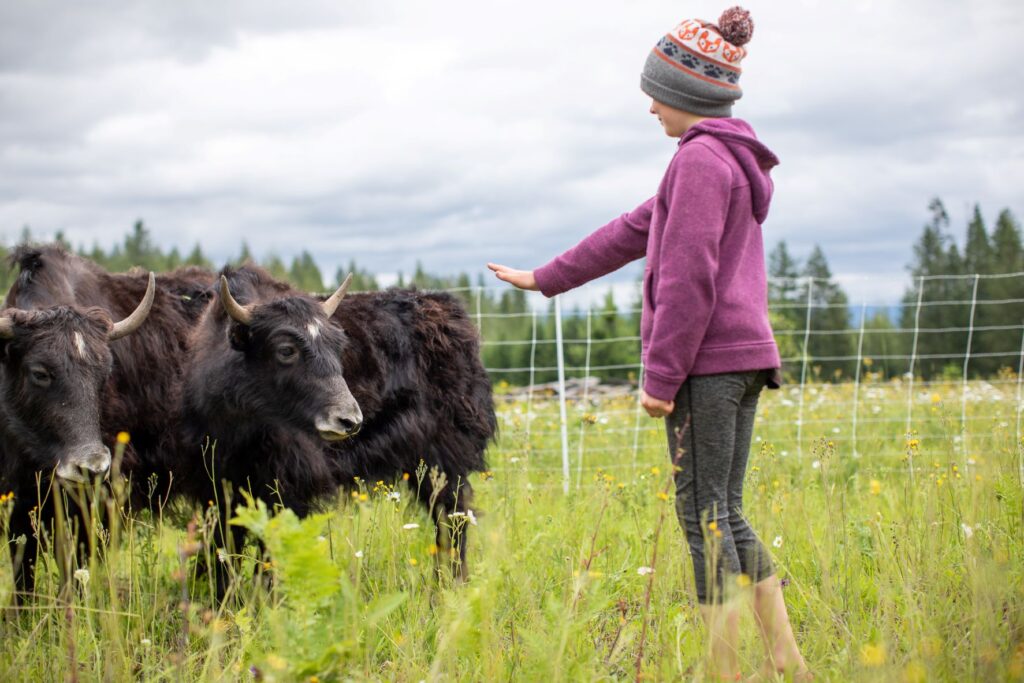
(968, 531)
(146, 642)
(395, 496)
(644, 571)
(777, 543)
(513, 460)
(222, 555)
(411, 525)
(816, 464)
(835, 430)
(359, 554)
(82, 576)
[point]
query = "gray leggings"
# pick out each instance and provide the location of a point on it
(712, 462)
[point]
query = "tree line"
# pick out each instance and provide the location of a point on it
(932, 321)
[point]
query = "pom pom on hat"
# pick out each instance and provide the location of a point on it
(736, 26)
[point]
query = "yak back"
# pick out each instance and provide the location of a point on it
(413, 364)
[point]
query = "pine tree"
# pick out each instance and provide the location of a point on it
(934, 254)
(783, 285)
(829, 315)
(305, 275)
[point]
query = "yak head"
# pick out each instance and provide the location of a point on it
(290, 362)
(54, 363)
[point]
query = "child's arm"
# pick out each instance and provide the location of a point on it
(683, 295)
(604, 250)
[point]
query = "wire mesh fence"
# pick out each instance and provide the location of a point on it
(944, 364)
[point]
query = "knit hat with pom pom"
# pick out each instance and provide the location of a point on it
(696, 66)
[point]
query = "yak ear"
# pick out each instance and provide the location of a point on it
(238, 336)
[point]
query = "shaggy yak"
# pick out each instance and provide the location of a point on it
(71, 379)
(299, 397)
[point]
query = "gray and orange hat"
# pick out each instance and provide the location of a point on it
(696, 65)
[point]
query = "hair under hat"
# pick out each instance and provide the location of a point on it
(696, 66)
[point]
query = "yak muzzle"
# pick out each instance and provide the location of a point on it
(339, 423)
(84, 463)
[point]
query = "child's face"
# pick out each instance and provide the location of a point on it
(674, 121)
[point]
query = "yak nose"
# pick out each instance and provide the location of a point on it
(83, 462)
(339, 423)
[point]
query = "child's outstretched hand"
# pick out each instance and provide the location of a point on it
(655, 407)
(523, 279)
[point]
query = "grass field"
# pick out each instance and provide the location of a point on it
(904, 561)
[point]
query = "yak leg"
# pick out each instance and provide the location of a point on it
(452, 516)
(23, 557)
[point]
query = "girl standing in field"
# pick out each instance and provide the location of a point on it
(707, 345)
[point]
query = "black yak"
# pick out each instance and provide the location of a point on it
(71, 379)
(301, 397)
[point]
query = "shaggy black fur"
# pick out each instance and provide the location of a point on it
(130, 384)
(410, 359)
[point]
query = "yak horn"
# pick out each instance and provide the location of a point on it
(6, 327)
(138, 316)
(237, 311)
(331, 305)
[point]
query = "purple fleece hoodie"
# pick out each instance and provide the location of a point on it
(705, 298)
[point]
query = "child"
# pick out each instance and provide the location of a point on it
(707, 345)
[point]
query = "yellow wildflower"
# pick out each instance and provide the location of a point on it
(664, 496)
(914, 672)
(872, 655)
(876, 487)
(123, 438)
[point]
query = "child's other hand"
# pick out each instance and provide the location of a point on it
(655, 407)
(523, 279)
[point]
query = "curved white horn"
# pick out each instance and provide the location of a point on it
(237, 311)
(138, 316)
(331, 305)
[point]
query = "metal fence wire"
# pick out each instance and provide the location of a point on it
(910, 321)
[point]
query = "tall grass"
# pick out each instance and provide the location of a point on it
(906, 567)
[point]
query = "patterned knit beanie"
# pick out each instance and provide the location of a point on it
(696, 66)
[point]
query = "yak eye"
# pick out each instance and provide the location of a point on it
(40, 376)
(287, 354)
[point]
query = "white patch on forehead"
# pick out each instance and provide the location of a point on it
(313, 328)
(79, 344)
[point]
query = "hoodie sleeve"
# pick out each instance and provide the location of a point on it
(606, 249)
(683, 293)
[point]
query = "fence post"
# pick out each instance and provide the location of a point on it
(913, 356)
(1019, 442)
(856, 376)
(564, 424)
(586, 401)
(967, 358)
(803, 372)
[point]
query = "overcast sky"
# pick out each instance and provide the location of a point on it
(456, 132)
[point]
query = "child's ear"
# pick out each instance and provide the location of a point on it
(238, 336)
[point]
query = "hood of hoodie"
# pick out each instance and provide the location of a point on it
(754, 158)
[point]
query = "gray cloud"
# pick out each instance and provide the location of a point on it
(462, 132)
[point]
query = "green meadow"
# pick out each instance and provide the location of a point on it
(900, 542)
